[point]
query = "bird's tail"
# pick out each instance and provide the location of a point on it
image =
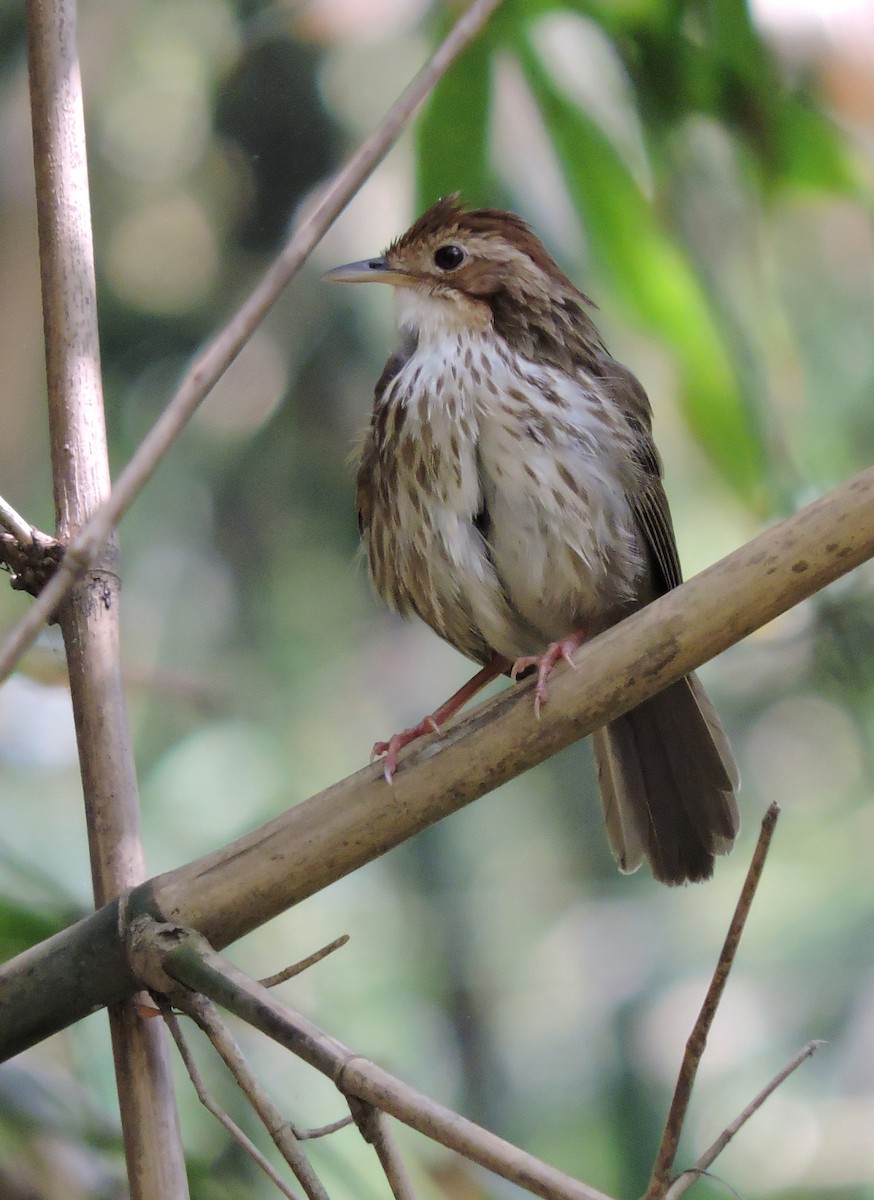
(667, 778)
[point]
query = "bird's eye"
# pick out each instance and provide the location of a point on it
(447, 258)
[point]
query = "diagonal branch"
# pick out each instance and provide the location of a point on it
(284, 1135)
(169, 955)
(218, 355)
(233, 890)
(242, 1139)
(697, 1042)
(686, 1179)
(305, 963)
(375, 1128)
(15, 524)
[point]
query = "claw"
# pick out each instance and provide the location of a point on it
(545, 662)
(568, 657)
(392, 748)
(522, 664)
(390, 766)
(432, 723)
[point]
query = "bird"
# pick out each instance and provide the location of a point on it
(509, 493)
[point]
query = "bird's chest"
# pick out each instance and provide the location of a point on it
(422, 480)
(495, 479)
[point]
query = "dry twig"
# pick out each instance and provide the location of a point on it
(186, 957)
(685, 1180)
(372, 1124)
(320, 1131)
(15, 524)
(284, 1135)
(698, 1038)
(375, 1130)
(31, 556)
(214, 360)
(242, 1139)
(310, 961)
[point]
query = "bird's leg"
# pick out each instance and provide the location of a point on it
(554, 653)
(431, 724)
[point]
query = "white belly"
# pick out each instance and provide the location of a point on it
(560, 548)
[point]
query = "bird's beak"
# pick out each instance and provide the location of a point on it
(369, 270)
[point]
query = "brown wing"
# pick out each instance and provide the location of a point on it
(650, 504)
(652, 512)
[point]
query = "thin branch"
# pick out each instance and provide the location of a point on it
(218, 355)
(310, 961)
(241, 1138)
(31, 556)
(187, 958)
(237, 888)
(283, 1133)
(89, 617)
(15, 524)
(320, 1131)
(698, 1038)
(684, 1181)
(375, 1129)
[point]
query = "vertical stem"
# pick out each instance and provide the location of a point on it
(89, 615)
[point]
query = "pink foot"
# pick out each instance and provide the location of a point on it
(554, 653)
(431, 724)
(395, 744)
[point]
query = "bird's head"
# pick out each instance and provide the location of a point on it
(460, 266)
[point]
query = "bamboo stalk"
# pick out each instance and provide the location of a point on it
(233, 890)
(89, 614)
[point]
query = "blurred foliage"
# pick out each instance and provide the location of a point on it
(258, 108)
(707, 179)
(682, 61)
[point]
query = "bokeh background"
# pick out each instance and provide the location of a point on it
(705, 172)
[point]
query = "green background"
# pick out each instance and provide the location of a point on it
(708, 182)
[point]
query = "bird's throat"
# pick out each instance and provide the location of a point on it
(429, 313)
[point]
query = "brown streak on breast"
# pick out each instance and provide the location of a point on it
(408, 453)
(566, 477)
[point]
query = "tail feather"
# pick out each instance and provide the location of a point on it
(667, 780)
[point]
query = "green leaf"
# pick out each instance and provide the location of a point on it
(793, 141)
(813, 152)
(452, 140)
(651, 276)
(697, 57)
